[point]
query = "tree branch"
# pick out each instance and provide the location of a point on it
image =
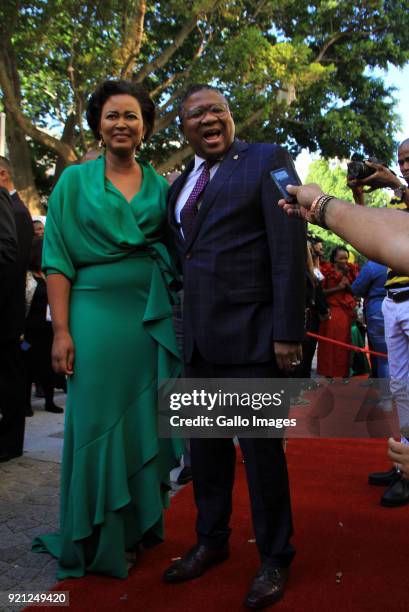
(347, 33)
(77, 97)
(12, 106)
(132, 42)
(258, 114)
(259, 7)
(175, 160)
(162, 59)
(330, 42)
(184, 74)
(163, 122)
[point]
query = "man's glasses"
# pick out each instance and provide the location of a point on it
(402, 160)
(200, 111)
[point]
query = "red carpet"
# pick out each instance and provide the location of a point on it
(352, 554)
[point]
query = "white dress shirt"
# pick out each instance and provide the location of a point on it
(189, 185)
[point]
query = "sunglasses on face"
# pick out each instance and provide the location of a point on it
(198, 112)
(403, 160)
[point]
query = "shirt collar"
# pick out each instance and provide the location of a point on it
(198, 162)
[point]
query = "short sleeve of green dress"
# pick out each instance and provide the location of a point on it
(115, 470)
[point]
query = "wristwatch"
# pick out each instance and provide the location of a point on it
(400, 191)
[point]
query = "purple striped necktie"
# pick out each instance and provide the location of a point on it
(189, 211)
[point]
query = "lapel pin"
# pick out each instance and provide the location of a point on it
(235, 157)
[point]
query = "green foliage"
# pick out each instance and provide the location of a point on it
(297, 72)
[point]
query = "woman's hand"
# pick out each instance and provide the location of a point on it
(62, 353)
(344, 283)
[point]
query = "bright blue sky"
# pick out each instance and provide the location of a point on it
(400, 79)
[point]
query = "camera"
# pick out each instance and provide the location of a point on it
(358, 169)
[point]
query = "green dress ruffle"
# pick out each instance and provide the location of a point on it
(115, 470)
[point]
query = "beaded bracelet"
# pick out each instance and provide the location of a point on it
(317, 210)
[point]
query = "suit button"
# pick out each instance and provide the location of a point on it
(188, 255)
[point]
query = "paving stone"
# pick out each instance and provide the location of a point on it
(29, 506)
(11, 553)
(44, 500)
(34, 560)
(17, 524)
(21, 574)
(8, 538)
(7, 583)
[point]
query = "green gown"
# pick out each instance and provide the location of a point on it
(115, 470)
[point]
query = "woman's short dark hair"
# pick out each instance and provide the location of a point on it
(116, 88)
(335, 251)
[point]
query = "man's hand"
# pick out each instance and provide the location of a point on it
(62, 353)
(382, 177)
(399, 453)
(357, 191)
(305, 195)
(288, 355)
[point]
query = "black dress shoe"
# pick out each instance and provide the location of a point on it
(185, 476)
(384, 479)
(268, 587)
(195, 563)
(397, 494)
(54, 408)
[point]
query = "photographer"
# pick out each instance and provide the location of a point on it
(380, 177)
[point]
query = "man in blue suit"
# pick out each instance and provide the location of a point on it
(243, 317)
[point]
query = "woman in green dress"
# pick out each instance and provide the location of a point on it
(110, 280)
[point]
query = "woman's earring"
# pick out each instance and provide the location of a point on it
(101, 143)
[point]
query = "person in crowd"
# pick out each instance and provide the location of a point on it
(12, 423)
(399, 453)
(333, 360)
(316, 310)
(248, 260)
(8, 233)
(38, 226)
(383, 177)
(110, 283)
(370, 285)
(90, 155)
(319, 258)
(38, 333)
(8, 255)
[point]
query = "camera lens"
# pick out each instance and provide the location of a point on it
(359, 170)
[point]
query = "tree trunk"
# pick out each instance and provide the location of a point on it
(20, 159)
(67, 137)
